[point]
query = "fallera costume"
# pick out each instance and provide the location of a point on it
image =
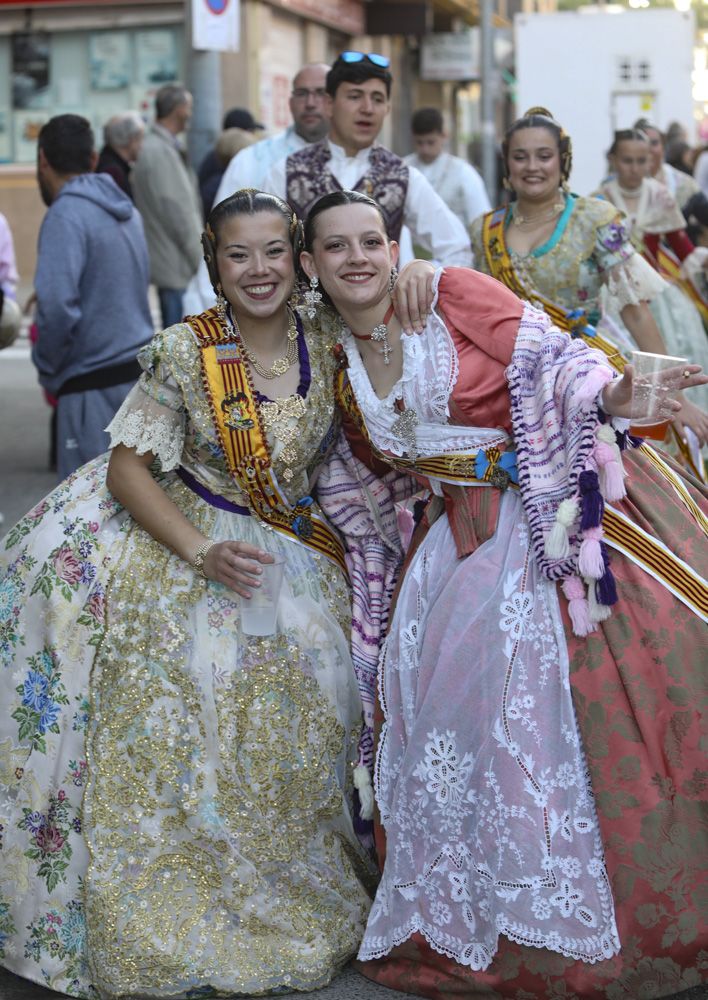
(538, 770)
(174, 794)
(585, 274)
(656, 228)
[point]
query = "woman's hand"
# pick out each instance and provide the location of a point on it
(413, 295)
(235, 564)
(694, 417)
(617, 395)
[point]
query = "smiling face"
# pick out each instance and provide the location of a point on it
(631, 162)
(356, 113)
(352, 256)
(255, 263)
(533, 163)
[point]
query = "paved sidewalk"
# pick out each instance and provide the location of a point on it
(349, 986)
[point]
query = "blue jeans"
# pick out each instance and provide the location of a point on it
(171, 305)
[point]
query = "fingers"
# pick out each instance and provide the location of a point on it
(413, 295)
(237, 565)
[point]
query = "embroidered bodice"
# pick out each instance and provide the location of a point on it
(589, 248)
(168, 412)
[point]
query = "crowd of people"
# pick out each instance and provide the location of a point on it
(469, 751)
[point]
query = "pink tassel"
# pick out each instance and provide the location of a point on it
(590, 561)
(578, 608)
(608, 459)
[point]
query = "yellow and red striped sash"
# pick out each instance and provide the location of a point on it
(657, 560)
(502, 268)
(669, 267)
(237, 420)
(619, 532)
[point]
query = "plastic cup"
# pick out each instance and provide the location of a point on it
(259, 613)
(651, 397)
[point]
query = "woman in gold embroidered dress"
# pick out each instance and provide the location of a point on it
(573, 257)
(174, 794)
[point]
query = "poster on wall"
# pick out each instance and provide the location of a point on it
(155, 57)
(109, 60)
(30, 69)
(27, 125)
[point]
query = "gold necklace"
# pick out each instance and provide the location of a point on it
(523, 220)
(281, 365)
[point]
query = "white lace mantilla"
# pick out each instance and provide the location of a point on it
(430, 370)
(147, 425)
(480, 777)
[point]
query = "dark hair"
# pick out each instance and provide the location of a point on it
(67, 142)
(541, 118)
(247, 201)
(335, 199)
(169, 97)
(426, 120)
(644, 125)
(358, 72)
(626, 135)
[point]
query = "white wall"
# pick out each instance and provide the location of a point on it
(568, 63)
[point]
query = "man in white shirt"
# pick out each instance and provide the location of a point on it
(455, 180)
(248, 169)
(358, 99)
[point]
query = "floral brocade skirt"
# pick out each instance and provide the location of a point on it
(174, 794)
(639, 693)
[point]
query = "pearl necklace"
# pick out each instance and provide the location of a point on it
(634, 193)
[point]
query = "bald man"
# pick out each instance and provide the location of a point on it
(250, 166)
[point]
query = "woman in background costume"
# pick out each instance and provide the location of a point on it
(573, 257)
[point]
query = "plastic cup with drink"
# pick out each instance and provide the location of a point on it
(652, 394)
(259, 613)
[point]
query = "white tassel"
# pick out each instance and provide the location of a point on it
(598, 612)
(362, 783)
(557, 544)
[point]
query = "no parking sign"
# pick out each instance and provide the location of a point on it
(215, 25)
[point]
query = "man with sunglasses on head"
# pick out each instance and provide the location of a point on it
(250, 166)
(358, 99)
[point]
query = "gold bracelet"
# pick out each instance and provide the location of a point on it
(200, 556)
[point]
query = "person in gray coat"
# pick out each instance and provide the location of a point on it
(166, 193)
(91, 285)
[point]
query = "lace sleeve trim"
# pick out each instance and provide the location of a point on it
(145, 425)
(631, 282)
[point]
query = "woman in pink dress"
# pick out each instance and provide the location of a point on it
(539, 777)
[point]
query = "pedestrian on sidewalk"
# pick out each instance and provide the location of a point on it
(165, 191)
(91, 285)
(123, 136)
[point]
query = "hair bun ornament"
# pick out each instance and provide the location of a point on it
(538, 110)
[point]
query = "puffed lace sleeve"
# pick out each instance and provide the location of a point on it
(627, 277)
(153, 415)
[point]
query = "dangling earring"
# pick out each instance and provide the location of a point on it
(313, 297)
(221, 304)
(392, 278)
(506, 183)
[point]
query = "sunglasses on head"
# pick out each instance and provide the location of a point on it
(373, 57)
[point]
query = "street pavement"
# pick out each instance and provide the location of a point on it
(24, 479)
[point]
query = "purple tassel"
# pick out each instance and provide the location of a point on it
(592, 505)
(606, 586)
